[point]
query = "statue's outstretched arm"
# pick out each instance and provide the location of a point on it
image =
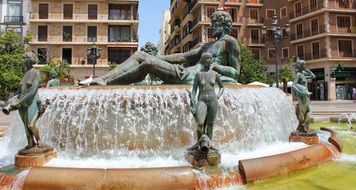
(32, 90)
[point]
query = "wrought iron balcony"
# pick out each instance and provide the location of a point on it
(13, 20)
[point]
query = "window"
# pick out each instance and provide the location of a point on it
(343, 23)
(43, 11)
(210, 35)
(42, 56)
(314, 25)
(271, 53)
(233, 14)
(313, 5)
(186, 47)
(299, 30)
(300, 51)
(42, 33)
(67, 55)
(254, 34)
(235, 32)
(14, 13)
(119, 12)
(254, 15)
(67, 33)
(283, 12)
(209, 12)
(285, 52)
(269, 33)
(68, 11)
(316, 50)
(92, 33)
(118, 55)
(298, 9)
(119, 33)
(270, 13)
(345, 48)
(92, 12)
(256, 53)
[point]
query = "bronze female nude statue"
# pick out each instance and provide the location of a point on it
(181, 68)
(207, 104)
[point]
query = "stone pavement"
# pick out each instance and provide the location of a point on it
(324, 110)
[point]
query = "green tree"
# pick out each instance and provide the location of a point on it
(11, 67)
(62, 69)
(285, 75)
(252, 69)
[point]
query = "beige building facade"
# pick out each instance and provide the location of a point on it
(64, 30)
(164, 32)
(322, 32)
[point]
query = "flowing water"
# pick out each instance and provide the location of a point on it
(152, 128)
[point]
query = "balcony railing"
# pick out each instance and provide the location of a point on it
(307, 9)
(334, 28)
(339, 5)
(13, 19)
(307, 33)
(311, 56)
(344, 54)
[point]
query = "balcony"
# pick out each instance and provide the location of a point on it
(351, 5)
(307, 33)
(195, 21)
(195, 41)
(336, 29)
(307, 9)
(349, 54)
(311, 56)
(13, 20)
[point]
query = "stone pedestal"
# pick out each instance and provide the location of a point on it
(34, 157)
(202, 159)
(309, 137)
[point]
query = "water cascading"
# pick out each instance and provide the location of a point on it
(107, 123)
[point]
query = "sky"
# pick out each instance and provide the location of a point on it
(150, 20)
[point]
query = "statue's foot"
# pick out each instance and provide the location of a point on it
(35, 150)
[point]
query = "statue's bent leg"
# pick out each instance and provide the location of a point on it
(33, 129)
(162, 69)
(201, 117)
(133, 61)
(211, 116)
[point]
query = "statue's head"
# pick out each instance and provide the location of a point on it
(300, 65)
(29, 59)
(150, 48)
(206, 59)
(221, 23)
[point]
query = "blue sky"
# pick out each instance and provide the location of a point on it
(151, 18)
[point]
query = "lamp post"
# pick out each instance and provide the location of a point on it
(278, 34)
(93, 54)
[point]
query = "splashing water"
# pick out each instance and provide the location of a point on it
(107, 124)
(349, 119)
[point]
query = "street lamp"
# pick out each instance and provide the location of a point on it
(278, 34)
(93, 54)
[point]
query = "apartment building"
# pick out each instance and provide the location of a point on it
(322, 32)
(164, 32)
(14, 16)
(64, 30)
